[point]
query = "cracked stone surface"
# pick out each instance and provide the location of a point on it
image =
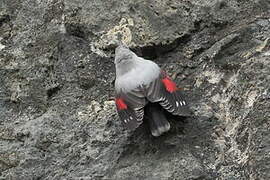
(57, 115)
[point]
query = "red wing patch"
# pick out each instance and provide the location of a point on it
(121, 105)
(169, 85)
(132, 118)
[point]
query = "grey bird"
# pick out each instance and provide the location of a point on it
(140, 82)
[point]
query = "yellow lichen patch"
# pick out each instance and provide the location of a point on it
(122, 31)
(95, 110)
(7, 134)
(262, 46)
(251, 98)
(9, 160)
(258, 49)
(213, 77)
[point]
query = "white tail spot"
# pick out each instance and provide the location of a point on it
(177, 104)
(184, 102)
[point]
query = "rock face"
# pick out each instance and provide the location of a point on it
(57, 117)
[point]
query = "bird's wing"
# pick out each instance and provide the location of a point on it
(130, 107)
(169, 96)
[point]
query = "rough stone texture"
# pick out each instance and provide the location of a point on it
(57, 117)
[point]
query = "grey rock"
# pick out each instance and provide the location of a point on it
(57, 117)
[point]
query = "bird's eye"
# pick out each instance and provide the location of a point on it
(123, 58)
(119, 60)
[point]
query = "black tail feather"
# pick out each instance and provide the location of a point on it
(156, 117)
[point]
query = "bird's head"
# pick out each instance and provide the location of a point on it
(123, 54)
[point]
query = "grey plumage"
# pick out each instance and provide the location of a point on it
(129, 66)
(139, 81)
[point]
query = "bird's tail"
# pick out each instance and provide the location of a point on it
(157, 121)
